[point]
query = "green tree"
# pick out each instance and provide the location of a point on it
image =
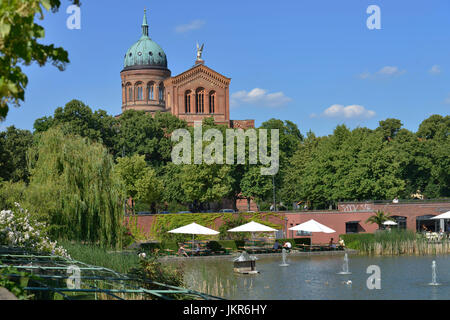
(378, 218)
(203, 183)
(73, 188)
(77, 118)
(15, 144)
(149, 188)
(11, 192)
(141, 133)
(130, 170)
(19, 34)
(256, 186)
(390, 127)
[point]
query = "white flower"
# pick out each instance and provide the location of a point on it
(142, 255)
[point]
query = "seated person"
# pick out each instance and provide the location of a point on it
(341, 243)
(331, 244)
(276, 245)
(182, 251)
(287, 246)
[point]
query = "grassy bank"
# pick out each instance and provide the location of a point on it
(95, 255)
(396, 242)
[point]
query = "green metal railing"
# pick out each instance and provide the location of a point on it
(72, 279)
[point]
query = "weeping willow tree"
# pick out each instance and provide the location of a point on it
(73, 188)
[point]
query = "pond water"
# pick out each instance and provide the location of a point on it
(316, 277)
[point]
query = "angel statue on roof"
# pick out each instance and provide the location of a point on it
(199, 51)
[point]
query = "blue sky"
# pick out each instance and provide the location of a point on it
(312, 62)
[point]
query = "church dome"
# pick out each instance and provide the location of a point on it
(145, 53)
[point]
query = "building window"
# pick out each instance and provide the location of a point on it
(140, 93)
(150, 89)
(212, 102)
(425, 223)
(303, 233)
(200, 100)
(351, 227)
(401, 222)
(130, 93)
(187, 101)
(161, 92)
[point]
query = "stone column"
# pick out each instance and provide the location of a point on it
(156, 92)
(206, 102)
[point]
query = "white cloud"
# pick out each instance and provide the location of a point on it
(435, 69)
(390, 71)
(346, 112)
(193, 25)
(386, 71)
(260, 97)
(364, 75)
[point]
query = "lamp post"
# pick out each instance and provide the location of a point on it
(274, 201)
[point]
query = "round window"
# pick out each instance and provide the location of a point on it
(139, 53)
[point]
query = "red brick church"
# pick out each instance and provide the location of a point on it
(194, 94)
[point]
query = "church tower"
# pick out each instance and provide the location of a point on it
(143, 75)
(195, 94)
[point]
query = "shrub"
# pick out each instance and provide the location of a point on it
(150, 270)
(19, 229)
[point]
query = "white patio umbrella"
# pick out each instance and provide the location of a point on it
(194, 229)
(390, 223)
(445, 215)
(252, 227)
(312, 226)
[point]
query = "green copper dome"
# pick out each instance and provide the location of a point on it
(145, 53)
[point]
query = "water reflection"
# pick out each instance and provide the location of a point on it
(315, 277)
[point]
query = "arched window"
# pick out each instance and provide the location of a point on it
(200, 100)
(128, 92)
(212, 102)
(161, 91)
(139, 91)
(151, 90)
(187, 101)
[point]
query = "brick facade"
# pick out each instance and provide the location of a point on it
(347, 212)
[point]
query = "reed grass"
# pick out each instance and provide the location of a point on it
(402, 242)
(120, 262)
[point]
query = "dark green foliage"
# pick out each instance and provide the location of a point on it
(78, 118)
(364, 164)
(150, 270)
(17, 284)
(14, 144)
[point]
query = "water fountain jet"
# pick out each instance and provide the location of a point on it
(345, 266)
(433, 275)
(283, 257)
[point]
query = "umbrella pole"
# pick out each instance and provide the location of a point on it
(192, 248)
